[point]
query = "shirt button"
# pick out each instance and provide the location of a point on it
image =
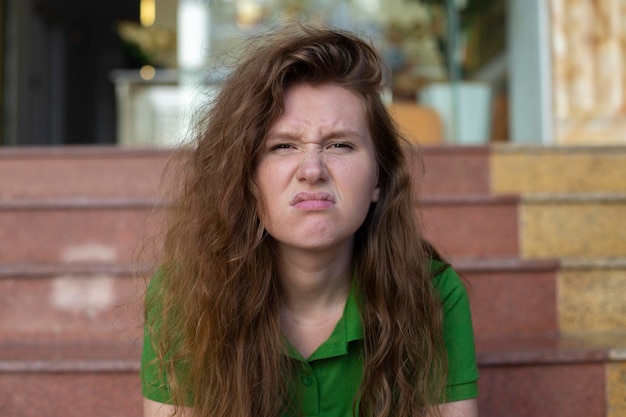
(307, 380)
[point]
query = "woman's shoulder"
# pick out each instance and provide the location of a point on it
(447, 281)
(154, 292)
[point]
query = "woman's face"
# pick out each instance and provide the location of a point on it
(317, 172)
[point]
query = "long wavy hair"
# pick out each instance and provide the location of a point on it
(218, 337)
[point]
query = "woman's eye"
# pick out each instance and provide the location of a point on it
(280, 146)
(340, 145)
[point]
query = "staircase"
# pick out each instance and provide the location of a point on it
(572, 208)
(537, 232)
(70, 299)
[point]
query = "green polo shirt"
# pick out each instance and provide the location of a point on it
(329, 379)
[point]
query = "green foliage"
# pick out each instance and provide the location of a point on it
(472, 7)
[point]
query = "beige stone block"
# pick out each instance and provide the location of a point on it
(558, 170)
(616, 386)
(598, 130)
(592, 300)
(570, 227)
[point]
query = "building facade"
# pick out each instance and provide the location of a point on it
(517, 71)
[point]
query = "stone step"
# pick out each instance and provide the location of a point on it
(452, 170)
(511, 297)
(105, 171)
(571, 226)
(80, 172)
(99, 302)
(591, 295)
(574, 376)
(75, 230)
(62, 379)
(112, 229)
(557, 169)
(82, 303)
(472, 226)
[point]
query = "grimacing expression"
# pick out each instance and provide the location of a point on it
(317, 172)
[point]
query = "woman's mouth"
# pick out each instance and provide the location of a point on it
(313, 201)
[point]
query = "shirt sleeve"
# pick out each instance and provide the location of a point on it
(458, 336)
(153, 381)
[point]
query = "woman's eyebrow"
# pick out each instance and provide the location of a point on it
(333, 134)
(343, 133)
(282, 136)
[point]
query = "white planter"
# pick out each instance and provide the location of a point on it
(465, 110)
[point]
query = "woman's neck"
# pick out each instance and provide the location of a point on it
(315, 288)
(314, 280)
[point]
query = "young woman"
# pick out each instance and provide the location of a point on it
(295, 279)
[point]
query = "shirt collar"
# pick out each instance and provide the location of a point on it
(348, 329)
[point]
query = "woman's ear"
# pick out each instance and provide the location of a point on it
(375, 194)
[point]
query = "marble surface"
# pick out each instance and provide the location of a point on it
(454, 224)
(588, 53)
(510, 303)
(557, 170)
(78, 172)
(598, 347)
(72, 395)
(616, 383)
(565, 229)
(543, 391)
(592, 300)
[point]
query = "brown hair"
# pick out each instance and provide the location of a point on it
(219, 294)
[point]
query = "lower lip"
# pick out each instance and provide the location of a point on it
(313, 205)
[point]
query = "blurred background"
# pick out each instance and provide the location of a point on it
(517, 109)
(115, 72)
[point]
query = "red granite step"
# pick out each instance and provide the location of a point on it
(95, 301)
(61, 379)
(75, 230)
(67, 172)
(112, 229)
(511, 297)
(82, 303)
(457, 170)
(71, 394)
(552, 376)
(105, 171)
(572, 390)
(519, 377)
(473, 226)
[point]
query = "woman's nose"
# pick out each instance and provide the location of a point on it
(312, 167)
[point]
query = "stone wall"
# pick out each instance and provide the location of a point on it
(588, 60)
